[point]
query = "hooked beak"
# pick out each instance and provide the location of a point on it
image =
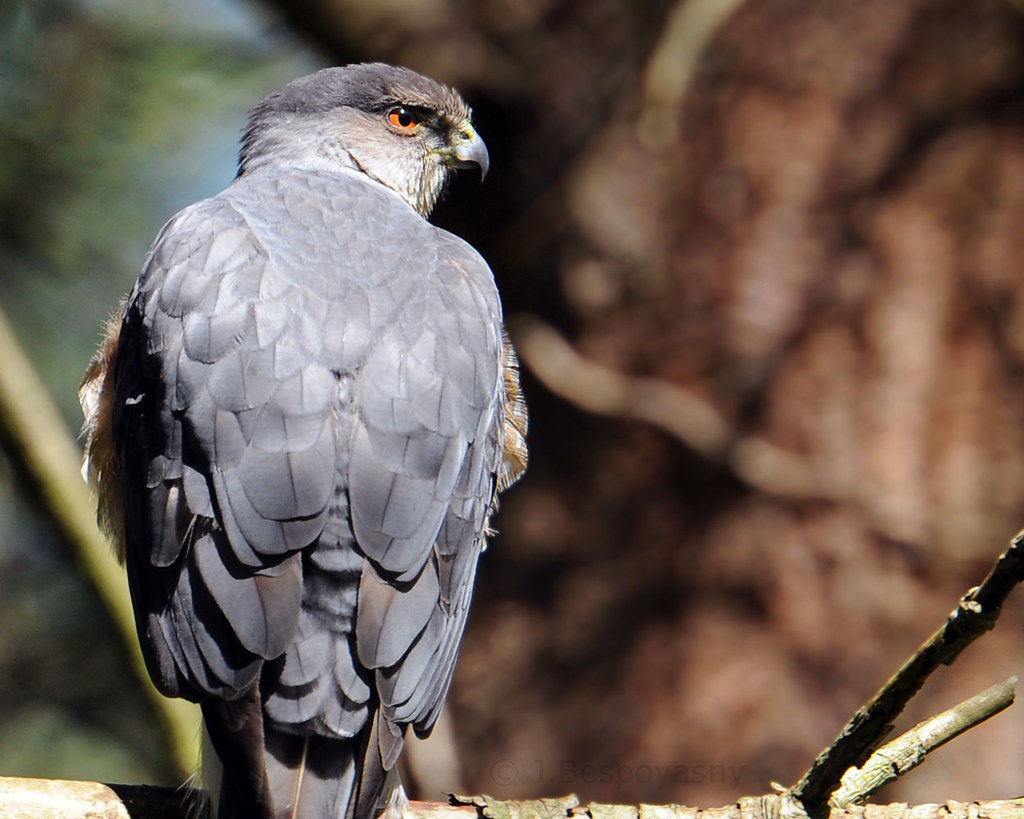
(467, 149)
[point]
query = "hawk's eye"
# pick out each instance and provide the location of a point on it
(402, 118)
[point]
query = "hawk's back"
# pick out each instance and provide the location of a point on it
(310, 416)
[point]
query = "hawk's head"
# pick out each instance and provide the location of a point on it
(398, 127)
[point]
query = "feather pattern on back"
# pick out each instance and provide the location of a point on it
(296, 432)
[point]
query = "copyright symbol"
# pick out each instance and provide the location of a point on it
(504, 772)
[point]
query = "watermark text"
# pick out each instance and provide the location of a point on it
(567, 772)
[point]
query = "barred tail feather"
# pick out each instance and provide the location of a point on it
(310, 777)
(272, 774)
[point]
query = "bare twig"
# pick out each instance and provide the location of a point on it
(603, 391)
(671, 66)
(33, 432)
(909, 750)
(674, 409)
(975, 615)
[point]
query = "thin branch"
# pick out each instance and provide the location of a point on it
(34, 433)
(600, 390)
(975, 615)
(679, 412)
(670, 69)
(909, 750)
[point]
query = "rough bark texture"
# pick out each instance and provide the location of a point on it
(64, 799)
(817, 229)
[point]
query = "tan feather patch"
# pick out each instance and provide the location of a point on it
(515, 456)
(99, 463)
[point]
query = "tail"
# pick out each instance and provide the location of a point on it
(272, 774)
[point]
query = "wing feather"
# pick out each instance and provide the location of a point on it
(310, 442)
(190, 372)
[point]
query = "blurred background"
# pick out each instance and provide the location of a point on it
(763, 263)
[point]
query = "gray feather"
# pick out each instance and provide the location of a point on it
(309, 416)
(389, 619)
(262, 608)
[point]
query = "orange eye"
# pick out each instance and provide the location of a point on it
(403, 119)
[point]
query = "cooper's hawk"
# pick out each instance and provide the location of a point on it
(297, 428)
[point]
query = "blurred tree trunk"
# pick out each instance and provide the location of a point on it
(806, 214)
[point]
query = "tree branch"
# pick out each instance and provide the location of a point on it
(50, 799)
(680, 412)
(975, 615)
(909, 750)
